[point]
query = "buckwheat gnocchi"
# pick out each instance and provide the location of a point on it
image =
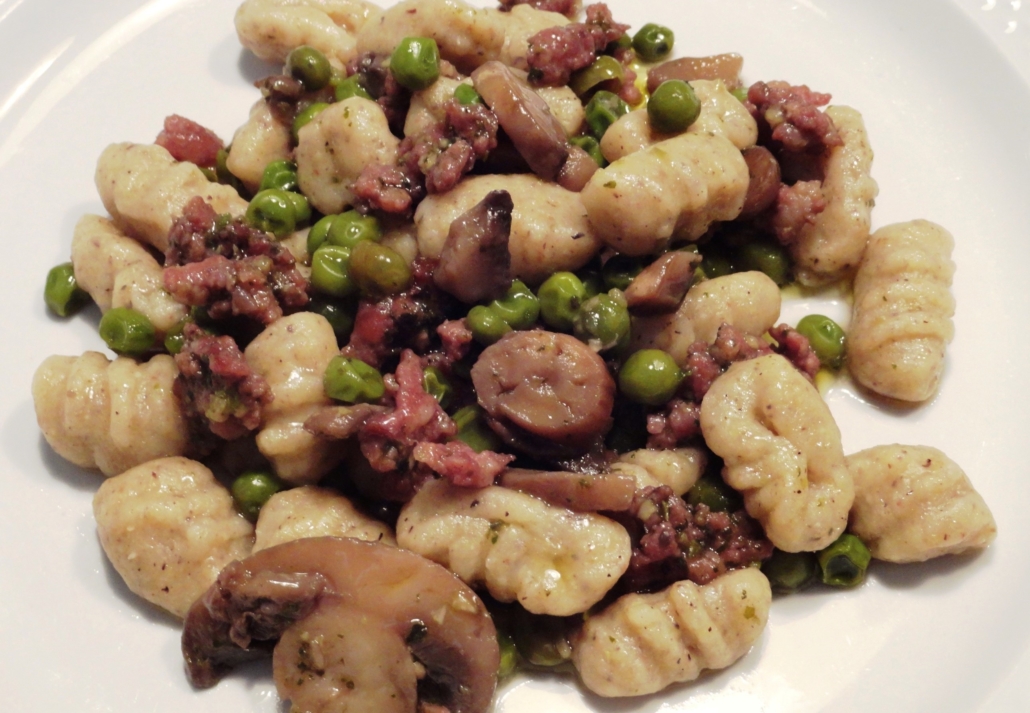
(271, 28)
(310, 511)
(782, 451)
(913, 503)
(168, 528)
(645, 642)
(901, 322)
(548, 559)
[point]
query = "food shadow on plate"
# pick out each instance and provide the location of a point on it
(21, 429)
(915, 575)
(228, 62)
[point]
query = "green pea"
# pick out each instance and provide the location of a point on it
(304, 118)
(844, 563)
(650, 376)
(351, 227)
(740, 94)
(603, 110)
(673, 107)
(519, 308)
(338, 313)
(61, 292)
(767, 257)
(715, 264)
(826, 337)
(222, 172)
(301, 208)
(378, 270)
(352, 381)
(653, 42)
(620, 270)
(251, 490)
(712, 491)
(560, 297)
(127, 331)
(603, 69)
(486, 325)
(436, 385)
(542, 640)
(331, 272)
(174, 339)
(592, 147)
(593, 283)
(790, 571)
(352, 86)
(415, 63)
(473, 431)
(509, 654)
(466, 95)
(603, 321)
(273, 211)
(280, 174)
(309, 66)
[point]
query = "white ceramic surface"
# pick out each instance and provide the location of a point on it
(943, 88)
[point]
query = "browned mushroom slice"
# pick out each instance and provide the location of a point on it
(475, 264)
(720, 66)
(525, 118)
(577, 170)
(660, 286)
(341, 422)
(303, 589)
(576, 491)
(551, 386)
(763, 181)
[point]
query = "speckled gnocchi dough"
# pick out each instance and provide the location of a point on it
(467, 36)
(782, 451)
(336, 145)
(169, 528)
(292, 354)
(549, 229)
(549, 559)
(258, 142)
(678, 468)
(145, 189)
(645, 642)
(721, 114)
(117, 271)
(673, 189)
(109, 415)
(310, 511)
(271, 28)
(750, 301)
(901, 323)
(913, 503)
(831, 247)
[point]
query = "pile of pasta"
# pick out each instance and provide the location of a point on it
(171, 529)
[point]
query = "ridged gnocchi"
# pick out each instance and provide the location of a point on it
(750, 301)
(672, 190)
(548, 559)
(721, 114)
(310, 511)
(645, 642)
(258, 142)
(271, 28)
(901, 321)
(117, 271)
(169, 527)
(913, 503)
(336, 145)
(292, 354)
(109, 415)
(145, 189)
(678, 468)
(782, 451)
(831, 247)
(549, 229)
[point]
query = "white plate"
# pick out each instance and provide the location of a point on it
(943, 89)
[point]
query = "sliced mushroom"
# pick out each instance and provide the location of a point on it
(384, 599)
(475, 264)
(720, 66)
(578, 168)
(525, 117)
(550, 387)
(661, 286)
(763, 181)
(576, 491)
